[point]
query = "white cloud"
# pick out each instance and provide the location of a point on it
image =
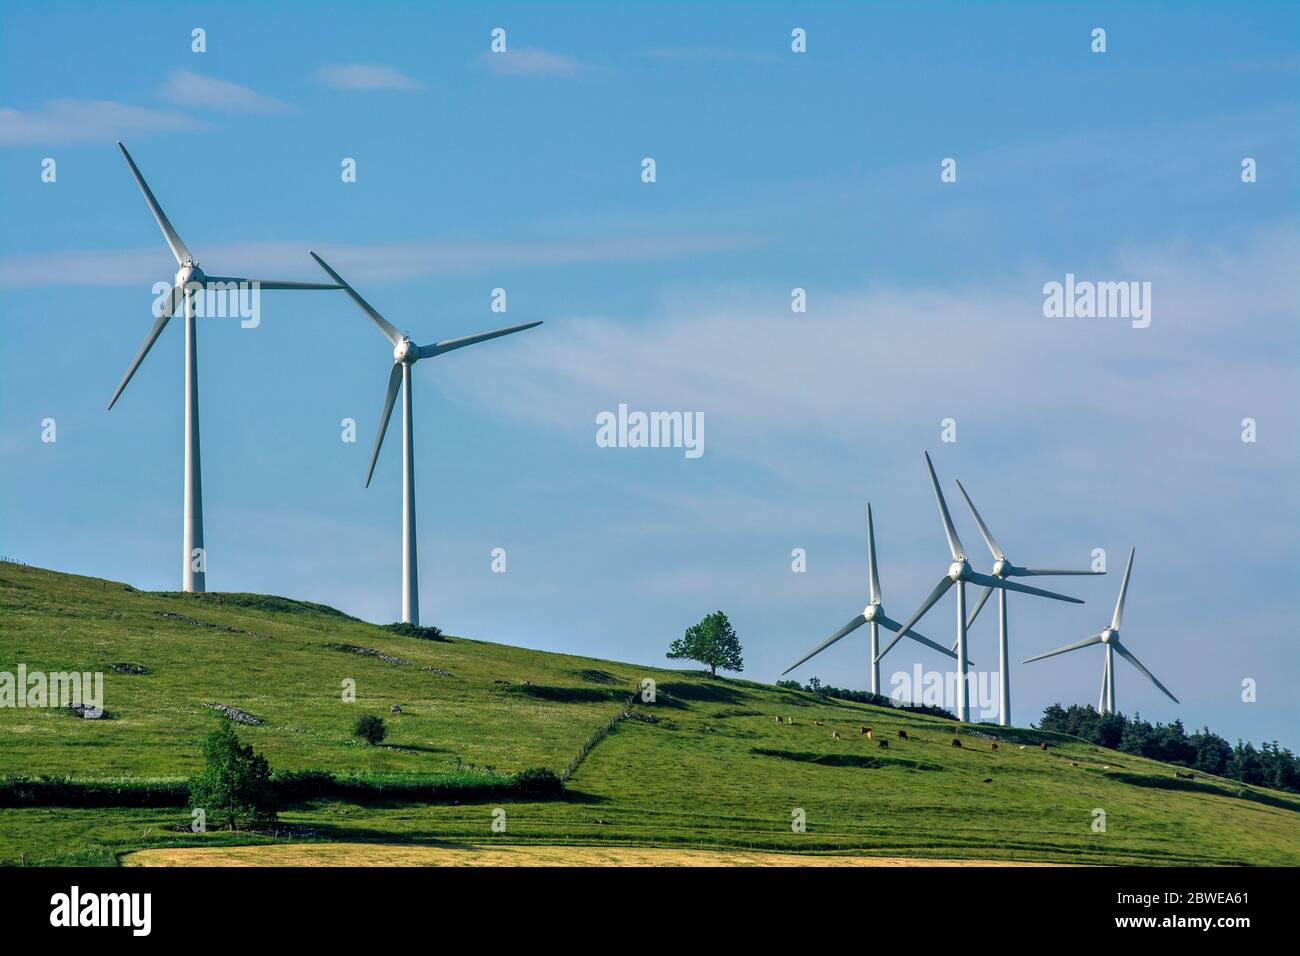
(374, 263)
(72, 120)
(191, 89)
(534, 61)
(365, 76)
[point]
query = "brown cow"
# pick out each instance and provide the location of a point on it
(1042, 746)
(994, 746)
(956, 742)
(866, 731)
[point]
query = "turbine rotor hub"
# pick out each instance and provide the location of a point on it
(405, 352)
(871, 612)
(959, 571)
(1002, 568)
(1108, 636)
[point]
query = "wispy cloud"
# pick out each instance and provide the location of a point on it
(534, 61)
(74, 121)
(709, 53)
(191, 89)
(386, 262)
(365, 77)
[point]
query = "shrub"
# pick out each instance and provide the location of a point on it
(415, 630)
(234, 785)
(370, 729)
(538, 782)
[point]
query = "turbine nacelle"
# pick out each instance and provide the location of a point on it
(873, 611)
(959, 570)
(188, 273)
(1109, 636)
(406, 352)
(1002, 568)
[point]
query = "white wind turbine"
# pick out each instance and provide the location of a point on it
(874, 615)
(405, 354)
(1003, 568)
(190, 279)
(959, 573)
(1110, 638)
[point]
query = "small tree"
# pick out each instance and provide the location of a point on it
(235, 783)
(713, 641)
(370, 729)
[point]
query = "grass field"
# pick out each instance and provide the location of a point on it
(715, 771)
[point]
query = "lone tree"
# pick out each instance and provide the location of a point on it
(713, 641)
(370, 729)
(234, 785)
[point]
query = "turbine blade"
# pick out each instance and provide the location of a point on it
(269, 283)
(1031, 572)
(979, 606)
(988, 535)
(989, 580)
(871, 558)
(389, 330)
(846, 630)
(438, 348)
(1128, 656)
(1123, 593)
(173, 240)
(394, 383)
(954, 542)
(928, 603)
(159, 324)
(1086, 642)
(890, 624)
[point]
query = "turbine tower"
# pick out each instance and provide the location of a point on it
(874, 615)
(1003, 568)
(1110, 638)
(405, 354)
(960, 573)
(190, 279)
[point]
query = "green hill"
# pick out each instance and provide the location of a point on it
(706, 765)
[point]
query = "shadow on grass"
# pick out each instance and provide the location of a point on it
(566, 695)
(844, 760)
(1195, 786)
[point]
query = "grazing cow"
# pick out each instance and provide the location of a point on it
(1022, 746)
(1185, 776)
(866, 731)
(884, 743)
(902, 735)
(1043, 745)
(835, 735)
(778, 718)
(1105, 766)
(1073, 764)
(789, 720)
(994, 746)
(988, 779)
(817, 722)
(956, 742)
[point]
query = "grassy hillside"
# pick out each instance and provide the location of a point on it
(714, 768)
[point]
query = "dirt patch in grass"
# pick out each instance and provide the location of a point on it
(387, 854)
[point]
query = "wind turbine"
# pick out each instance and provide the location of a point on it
(405, 354)
(874, 615)
(1003, 568)
(1110, 638)
(190, 279)
(959, 573)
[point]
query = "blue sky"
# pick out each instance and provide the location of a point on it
(775, 170)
